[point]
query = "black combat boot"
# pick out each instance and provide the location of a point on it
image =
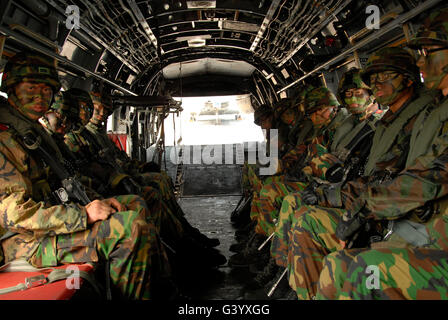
(250, 254)
(264, 276)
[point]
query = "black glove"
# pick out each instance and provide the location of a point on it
(309, 197)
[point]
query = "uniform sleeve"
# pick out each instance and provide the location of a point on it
(19, 212)
(426, 179)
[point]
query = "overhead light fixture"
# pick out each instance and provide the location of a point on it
(238, 25)
(201, 4)
(194, 43)
(198, 37)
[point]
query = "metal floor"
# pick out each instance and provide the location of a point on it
(208, 195)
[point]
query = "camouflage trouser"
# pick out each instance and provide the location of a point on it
(310, 240)
(166, 222)
(258, 186)
(162, 182)
(386, 273)
(270, 201)
(127, 239)
(292, 208)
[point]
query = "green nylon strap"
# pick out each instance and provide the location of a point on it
(385, 137)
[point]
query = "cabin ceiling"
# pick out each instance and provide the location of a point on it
(142, 45)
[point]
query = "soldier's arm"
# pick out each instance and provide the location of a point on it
(19, 212)
(425, 180)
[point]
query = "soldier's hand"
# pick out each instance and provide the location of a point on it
(98, 210)
(113, 202)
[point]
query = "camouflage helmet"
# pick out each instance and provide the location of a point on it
(391, 59)
(30, 67)
(351, 79)
(63, 105)
(79, 100)
(100, 98)
(262, 112)
(286, 110)
(318, 98)
(434, 30)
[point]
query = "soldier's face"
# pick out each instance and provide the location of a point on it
(387, 86)
(321, 116)
(100, 113)
(431, 66)
(34, 98)
(266, 123)
(356, 100)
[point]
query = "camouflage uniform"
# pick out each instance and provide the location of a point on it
(167, 225)
(49, 234)
(266, 207)
(412, 262)
(313, 237)
(333, 153)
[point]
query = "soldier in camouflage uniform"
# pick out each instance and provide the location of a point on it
(49, 233)
(393, 77)
(412, 259)
(173, 228)
(356, 96)
(321, 104)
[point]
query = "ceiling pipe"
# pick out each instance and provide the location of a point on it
(326, 21)
(374, 36)
(31, 44)
(141, 19)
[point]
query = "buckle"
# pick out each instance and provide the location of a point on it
(35, 281)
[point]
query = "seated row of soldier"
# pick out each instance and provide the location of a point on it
(358, 207)
(68, 194)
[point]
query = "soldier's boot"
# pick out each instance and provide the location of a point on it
(281, 291)
(241, 216)
(263, 277)
(240, 245)
(250, 254)
(245, 233)
(198, 235)
(190, 251)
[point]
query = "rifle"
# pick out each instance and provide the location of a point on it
(71, 187)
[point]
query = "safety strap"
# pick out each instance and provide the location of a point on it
(21, 265)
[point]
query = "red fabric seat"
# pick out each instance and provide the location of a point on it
(50, 291)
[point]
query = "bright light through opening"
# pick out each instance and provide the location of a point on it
(213, 120)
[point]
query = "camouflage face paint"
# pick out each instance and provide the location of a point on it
(357, 101)
(431, 67)
(32, 99)
(387, 92)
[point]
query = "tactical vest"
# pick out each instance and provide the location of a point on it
(429, 127)
(19, 126)
(385, 137)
